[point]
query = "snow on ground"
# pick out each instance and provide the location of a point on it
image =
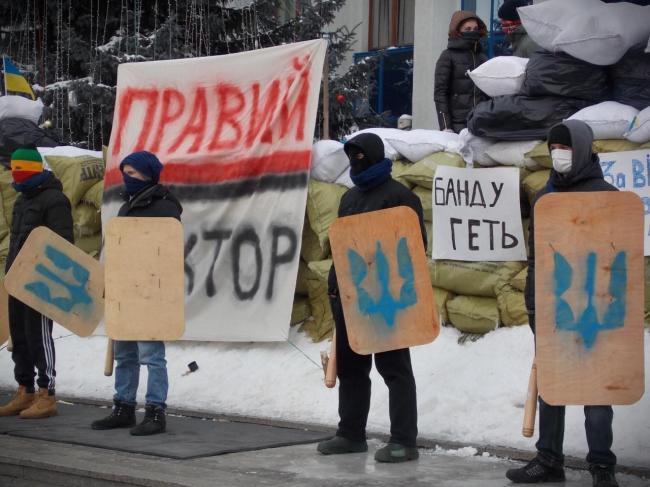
(471, 393)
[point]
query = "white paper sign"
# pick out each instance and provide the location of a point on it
(476, 214)
(630, 171)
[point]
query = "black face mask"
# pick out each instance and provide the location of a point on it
(358, 164)
(471, 35)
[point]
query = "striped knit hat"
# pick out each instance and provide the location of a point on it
(26, 163)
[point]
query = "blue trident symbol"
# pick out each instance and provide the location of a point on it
(385, 305)
(77, 292)
(587, 324)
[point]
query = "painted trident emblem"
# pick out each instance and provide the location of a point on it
(385, 304)
(587, 325)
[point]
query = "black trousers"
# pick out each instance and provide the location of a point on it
(354, 387)
(598, 426)
(31, 336)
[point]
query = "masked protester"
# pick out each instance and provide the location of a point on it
(41, 203)
(144, 198)
(575, 168)
(454, 92)
(374, 189)
(521, 43)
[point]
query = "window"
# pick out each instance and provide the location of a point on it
(391, 23)
(290, 9)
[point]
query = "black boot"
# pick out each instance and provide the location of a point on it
(603, 475)
(339, 445)
(154, 422)
(536, 471)
(122, 416)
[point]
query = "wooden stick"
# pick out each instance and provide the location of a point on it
(110, 356)
(330, 373)
(10, 346)
(530, 410)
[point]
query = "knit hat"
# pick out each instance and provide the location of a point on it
(508, 11)
(25, 163)
(559, 134)
(145, 163)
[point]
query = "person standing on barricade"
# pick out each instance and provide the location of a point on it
(145, 198)
(374, 189)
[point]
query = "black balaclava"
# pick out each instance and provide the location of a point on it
(363, 151)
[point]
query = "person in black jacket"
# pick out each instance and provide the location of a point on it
(521, 43)
(575, 168)
(41, 203)
(374, 189)
(144, 198)
(454, 92)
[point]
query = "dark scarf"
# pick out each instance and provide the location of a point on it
(33, 182)
(373, 176)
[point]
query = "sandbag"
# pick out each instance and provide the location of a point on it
(558, 74)
(472, 314)
(300, 310)
(541, 155)
(521, 117)
(629, 79)
(384, 134)
(87, 220)
(513, 153)
(639, 130)
(19, 132)
(501, 75)
(473, 149)
(77, 174)
(4, 251)
(441, 297)
(426, 199)
(20, 107)
(603, 34)
(512, 306)
(95, 195)
(71, 151)
(608, 120)
(322, 324)
(322, 209)
(399, 169)
(414, 145)
(301, 278)
(471, 278)
(534, 183)
(8, 196)
(328, 161)
(421, 173)
(91, 244)
(519, 281)
(345, 179)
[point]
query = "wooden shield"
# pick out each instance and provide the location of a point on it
(59, 281)
(589, 298)
(383, 280)
(145, 295)
(4, 314)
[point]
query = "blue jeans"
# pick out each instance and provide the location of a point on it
(129, 356)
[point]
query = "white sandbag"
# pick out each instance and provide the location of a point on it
(608, 120)
(639, 130)
(328, 161)
(603, 34)
(384, 134)
(473, 149)
(502, 75)
(345, 179)
(513, 153)
(647, 49)
(69, 151)
(20, 107)
(545, 21)
(415, 145)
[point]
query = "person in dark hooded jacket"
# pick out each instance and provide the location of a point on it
(521, 43)
(374, 189)
(575, 169)
(454, 92)
(144, 198)
(41, 203)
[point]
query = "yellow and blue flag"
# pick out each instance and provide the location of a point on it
(15, 82)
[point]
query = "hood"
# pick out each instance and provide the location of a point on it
(370, 144)
(584, 163)
(461, 16)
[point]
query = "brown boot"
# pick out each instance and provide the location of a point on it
(21, 400)
(43, 407)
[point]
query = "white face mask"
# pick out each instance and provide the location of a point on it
(562, 159)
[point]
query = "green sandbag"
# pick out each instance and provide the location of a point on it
(472, 314)
(322, 324)
(519, 281)
(535, 182)
(87, 220)
(301, 310)
(442, 296)
(399, 168)
(301, 279)
(421, 173)
(78, 174)
(425, 198)
(4, 250)
(541, 155)
(91, 244)
(95, 195)
(471, 278)
(8, 197)
(322, 209)
(512, 306)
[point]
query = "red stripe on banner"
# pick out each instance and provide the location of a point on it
(193, 171)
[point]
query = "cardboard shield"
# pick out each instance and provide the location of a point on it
(4, 314)
(145, 280)
(589, 298)
(383, 280)
(59, 281)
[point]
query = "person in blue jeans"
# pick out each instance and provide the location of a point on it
(144, 198)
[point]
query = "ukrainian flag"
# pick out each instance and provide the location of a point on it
(15, 82)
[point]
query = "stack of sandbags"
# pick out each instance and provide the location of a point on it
(7, 198)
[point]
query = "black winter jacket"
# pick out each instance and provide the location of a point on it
(43, 206)
(585, 175)
(154, 201)
(454, 92)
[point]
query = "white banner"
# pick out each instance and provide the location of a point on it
(630, 171)
(476, 214)
(235, 134)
